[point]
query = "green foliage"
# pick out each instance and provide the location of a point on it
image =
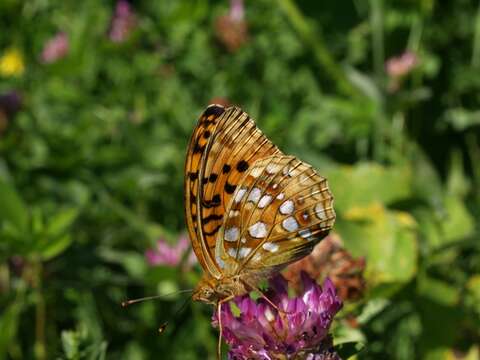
(91, 167)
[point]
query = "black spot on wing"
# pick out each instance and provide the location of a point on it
(215, 201)
(242, 166)
(198, 148)
(215, 110)
(229, 188)
(212, 217)
(226, 168)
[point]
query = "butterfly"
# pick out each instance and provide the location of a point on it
(250, 209)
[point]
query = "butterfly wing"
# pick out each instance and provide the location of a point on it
(281, 209)
(223, 146)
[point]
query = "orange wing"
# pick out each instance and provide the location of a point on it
(223, 146)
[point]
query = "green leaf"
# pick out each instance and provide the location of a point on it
(386, 238)
(12, 207)
(61, 222)
(70, 344)
(365, 183)
(55, 246)
(457, 223)
(438, 291)
(349, 349)
(9, 325)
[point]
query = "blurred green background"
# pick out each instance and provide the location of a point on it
(97, 103)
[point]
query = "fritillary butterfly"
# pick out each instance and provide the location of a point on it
(250, 209)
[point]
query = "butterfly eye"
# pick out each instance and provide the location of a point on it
(208, 293)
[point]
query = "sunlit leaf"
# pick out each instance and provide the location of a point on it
(386, 238)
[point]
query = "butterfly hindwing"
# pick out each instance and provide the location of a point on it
(279, 211)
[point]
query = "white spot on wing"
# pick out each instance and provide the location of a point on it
(320, 212)
(287, 207)
(281, 196)
(231, 234)
(272, 168)
(220, 262)
(264, 201)
(269, 246)
(233, 213)
(290, 224)
(305, 233)
(256, 172)
(240, 194)
(254, 195)
(243, 252)
(258, 230)
(232, 252)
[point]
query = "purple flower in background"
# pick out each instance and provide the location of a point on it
(298, 331)
(123, 21)
(170, 255)
(10, 104)
(55, 49)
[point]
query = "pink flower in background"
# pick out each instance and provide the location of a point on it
(123, 21)
(237, 10)
(398, 67)
(55, 49)
(170, 255)
(298, 331)
(232, 29)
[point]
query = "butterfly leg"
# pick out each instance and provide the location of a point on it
(262, 295)
(219, 313)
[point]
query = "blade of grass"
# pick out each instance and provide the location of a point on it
(315, 40)
(476, 40)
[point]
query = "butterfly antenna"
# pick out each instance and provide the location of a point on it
(162, 327)
(134, 301)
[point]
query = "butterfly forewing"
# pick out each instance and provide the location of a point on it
(278, 212)
(223, 147)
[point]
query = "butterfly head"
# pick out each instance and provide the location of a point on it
(211, 290)
(206, 292)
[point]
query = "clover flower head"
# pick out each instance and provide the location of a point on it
(329, 258)
(296, 329)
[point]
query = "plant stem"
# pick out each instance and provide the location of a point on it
(40, 313)
(376, 23)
